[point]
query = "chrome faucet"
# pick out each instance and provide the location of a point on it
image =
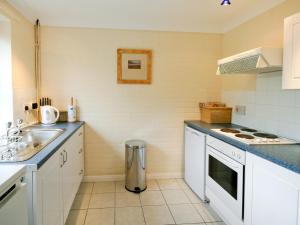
(14, 130)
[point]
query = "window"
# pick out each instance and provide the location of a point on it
(6, 86)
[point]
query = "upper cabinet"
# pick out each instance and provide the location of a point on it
(291, 62)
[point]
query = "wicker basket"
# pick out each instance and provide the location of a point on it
(215, 114)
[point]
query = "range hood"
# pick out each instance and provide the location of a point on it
(258, 60)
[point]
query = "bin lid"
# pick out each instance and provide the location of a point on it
(135, 144)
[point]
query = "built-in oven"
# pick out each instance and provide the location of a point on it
(225, 179)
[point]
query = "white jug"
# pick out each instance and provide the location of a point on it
(48, 114)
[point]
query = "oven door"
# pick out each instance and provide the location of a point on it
(224, 182)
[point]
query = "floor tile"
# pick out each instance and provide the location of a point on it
(76, 217)
(195, 224)
(85, 188)
(175, 197)
(168, 184)
(81, 201)
(152, 198)
(185, 213)
(127, 199)
(192, 196)
(104, 187)
(182, 184)
(207, 213)
(100, 217)
(129, 216)
(105, 200)
(157, 215)
(152, 185)
(216, 223)
(120, 186)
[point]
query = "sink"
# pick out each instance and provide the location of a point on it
(33, 140)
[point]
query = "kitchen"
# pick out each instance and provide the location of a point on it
(78, 57)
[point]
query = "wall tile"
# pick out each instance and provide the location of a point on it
(274, 110)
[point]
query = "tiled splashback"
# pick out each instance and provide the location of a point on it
(268, 108)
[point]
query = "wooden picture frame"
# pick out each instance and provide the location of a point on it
(134, 66)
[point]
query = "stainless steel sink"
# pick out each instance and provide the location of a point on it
(32, 141)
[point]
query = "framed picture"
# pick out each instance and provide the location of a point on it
(134, 66)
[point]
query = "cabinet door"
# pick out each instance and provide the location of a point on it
(49, 188)
(291, 62)
(195, 160)
(72, 170)
(271, 193)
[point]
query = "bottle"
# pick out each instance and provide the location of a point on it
(72, 111)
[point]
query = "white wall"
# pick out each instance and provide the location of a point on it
(83, 63)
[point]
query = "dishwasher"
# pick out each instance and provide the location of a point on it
(194, 175)
(13, 198)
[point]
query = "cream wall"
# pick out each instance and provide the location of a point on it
(22, 44)
(82, 63)
(268, 106)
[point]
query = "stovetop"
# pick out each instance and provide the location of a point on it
(251, 136)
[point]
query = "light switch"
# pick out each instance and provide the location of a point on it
(240, 110)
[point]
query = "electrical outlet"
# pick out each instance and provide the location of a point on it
(26, 107)
(240, 110)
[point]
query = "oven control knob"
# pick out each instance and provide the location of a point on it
(233, 154)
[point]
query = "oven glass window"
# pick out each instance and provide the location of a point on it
(224, 176)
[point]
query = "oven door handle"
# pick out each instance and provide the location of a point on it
(217, 155)
(230, 163)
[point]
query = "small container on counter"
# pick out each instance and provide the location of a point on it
(72, 111)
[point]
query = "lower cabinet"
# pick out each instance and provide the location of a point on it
(272, 193)
(57, 182)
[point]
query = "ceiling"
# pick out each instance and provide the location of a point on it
(164, 15)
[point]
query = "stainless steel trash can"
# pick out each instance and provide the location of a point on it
(135, 166)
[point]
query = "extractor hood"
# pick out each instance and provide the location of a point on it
(258, 60)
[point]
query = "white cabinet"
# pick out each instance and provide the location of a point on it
(291, 61)
(71, 170)
(48, 192)
(272, 193)
(195, 160)
(57, 182)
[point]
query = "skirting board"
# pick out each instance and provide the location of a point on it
(121, 177)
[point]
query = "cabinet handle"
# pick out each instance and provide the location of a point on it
(80, 151)
(80, 134)
(66, 153)
(81, 172)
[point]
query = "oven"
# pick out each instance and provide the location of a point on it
(225, 179)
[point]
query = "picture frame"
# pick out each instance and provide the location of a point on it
(134, 66)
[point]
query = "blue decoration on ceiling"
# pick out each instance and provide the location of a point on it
(226, 2)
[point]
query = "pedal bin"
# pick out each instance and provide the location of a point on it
(135, 166)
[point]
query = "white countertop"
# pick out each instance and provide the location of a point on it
(9, 173)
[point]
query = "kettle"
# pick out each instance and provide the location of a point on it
(48, 114)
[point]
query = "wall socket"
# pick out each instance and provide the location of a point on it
(240, 110)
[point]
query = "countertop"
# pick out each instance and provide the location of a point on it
(9, 173)
(41, 157)
(287, 156)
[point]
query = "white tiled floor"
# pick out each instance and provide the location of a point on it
(165, 202)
